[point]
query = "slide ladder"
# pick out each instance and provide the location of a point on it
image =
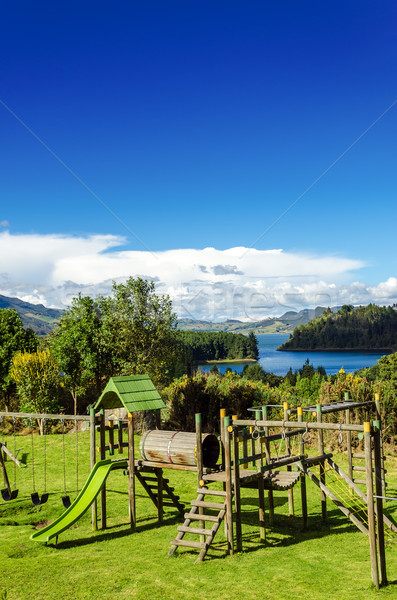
(206, 534)
(159, 490)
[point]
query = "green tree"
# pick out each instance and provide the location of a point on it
(138, 326)
(78, 343)
(13, 338)
(37, 377)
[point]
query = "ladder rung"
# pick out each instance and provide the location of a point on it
(197, 517)
(211, 492)
(188, 543)
(205, 504)
(196, 530)
(360, 481)
(359, 456)
(168, 503)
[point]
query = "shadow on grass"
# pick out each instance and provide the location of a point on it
(107, 534)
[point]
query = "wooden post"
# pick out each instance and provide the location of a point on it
(378, 418)
(199, 462)
(94, 507)
(159, 475)
(379, 502)
(258, 415)
(228, 473)
(222, 430)
(370, 501)
(131, 471)
(270, 496)
(289, 468)
(320, 439)
(349, 445)
(299, 418)
(261, 502)
(102, 442)
(237, 498)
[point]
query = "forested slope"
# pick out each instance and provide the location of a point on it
(365, 328)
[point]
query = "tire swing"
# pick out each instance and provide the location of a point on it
(36, 499)
(6, 493)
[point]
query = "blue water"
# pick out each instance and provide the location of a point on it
(280, 362)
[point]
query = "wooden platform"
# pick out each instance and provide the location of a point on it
(273, 480)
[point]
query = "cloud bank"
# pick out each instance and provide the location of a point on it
(207, 283)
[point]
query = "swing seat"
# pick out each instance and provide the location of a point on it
(5, 494)
(66, 501)
(37, 501)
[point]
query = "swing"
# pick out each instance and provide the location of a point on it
(65, 498)
(6, 493)
(66, 501)
(36, 499)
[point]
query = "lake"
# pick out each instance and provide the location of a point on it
(280, 362)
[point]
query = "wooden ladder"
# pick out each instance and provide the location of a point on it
(155, 486)
(194, 516)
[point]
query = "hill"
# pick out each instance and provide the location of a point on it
(364, 328)
(284, 324)
(36, 316)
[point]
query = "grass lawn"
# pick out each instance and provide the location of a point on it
(324, 563)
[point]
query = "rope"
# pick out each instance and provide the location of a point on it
(15, 453)
(45, 457)
(64, 456)
(77, 456)
(340, 436)
(34, 484)
(307, 436)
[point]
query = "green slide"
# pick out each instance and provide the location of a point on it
(83, 501)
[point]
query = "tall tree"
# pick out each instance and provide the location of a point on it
(81, 351)
(13, 338)
(138, 326)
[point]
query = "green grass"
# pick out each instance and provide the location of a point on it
(324, 563)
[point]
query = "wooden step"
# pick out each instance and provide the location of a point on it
(208, 492)
(205, 504)
(165, 503)
(195, 530)
(197, 517)
(188, 544)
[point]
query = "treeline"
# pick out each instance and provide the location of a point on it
(365, 328)
(219, 345)
(207, 393)
(132, 331)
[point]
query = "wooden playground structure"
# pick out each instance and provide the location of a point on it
(245, 460)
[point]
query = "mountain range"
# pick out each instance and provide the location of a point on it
(42, 319)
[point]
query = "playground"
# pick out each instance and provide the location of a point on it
(287, 536)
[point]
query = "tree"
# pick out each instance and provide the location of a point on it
(138, 326)
(13, 338)
(36, 375)
(83, 356)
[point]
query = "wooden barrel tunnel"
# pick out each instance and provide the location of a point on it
(178, 447)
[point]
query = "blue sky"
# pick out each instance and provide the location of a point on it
(198, 125)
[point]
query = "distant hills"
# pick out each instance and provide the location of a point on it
(284, 324)
(36, 316)
(42, 319)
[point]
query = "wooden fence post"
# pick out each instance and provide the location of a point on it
(320, 438)
(270, 496)
(379, 501)
(370, 501)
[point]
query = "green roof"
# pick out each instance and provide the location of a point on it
(133, 392)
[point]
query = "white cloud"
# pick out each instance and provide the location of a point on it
(208, 283)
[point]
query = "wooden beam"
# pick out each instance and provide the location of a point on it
(370, 501)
